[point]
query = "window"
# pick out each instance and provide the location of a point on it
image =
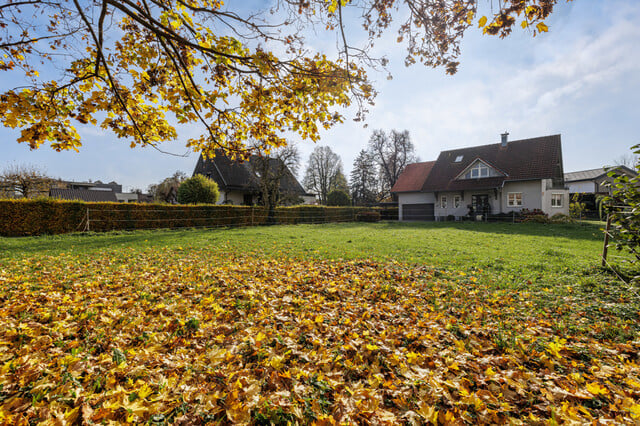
(458, 158)
(443, 202)
(514, 199)
(456, 201)
(556, 200)
(480, 170)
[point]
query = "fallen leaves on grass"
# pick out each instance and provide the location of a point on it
(186, 337)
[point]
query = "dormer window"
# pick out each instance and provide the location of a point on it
(458, 158)
(480, 170)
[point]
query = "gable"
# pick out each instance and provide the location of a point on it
(479, 169)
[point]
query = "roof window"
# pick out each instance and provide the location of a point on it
(458, 158)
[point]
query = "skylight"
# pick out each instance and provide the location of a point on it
(458, 159)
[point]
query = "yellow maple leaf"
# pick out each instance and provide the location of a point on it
(635, 411)
(542, 27)
(595, 389)
(482, 22)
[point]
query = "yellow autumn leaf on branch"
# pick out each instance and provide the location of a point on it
(482, 22)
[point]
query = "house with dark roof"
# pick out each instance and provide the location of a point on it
(83, 195)
(485, 180)
(239, 181)
(93, 192)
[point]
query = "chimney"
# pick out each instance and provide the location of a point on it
(505, 139)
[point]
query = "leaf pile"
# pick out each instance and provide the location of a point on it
(189, 337)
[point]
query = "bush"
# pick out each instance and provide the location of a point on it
(623, 208)
(338, 198)
(48, 216)
(198, 189)
(368, 216)
(561, 218)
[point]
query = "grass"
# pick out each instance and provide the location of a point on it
(458, 245)
(360, 323)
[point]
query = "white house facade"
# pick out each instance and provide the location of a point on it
(486, 180)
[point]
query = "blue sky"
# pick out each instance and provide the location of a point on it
(582, 80)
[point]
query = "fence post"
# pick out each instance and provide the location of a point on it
(606, 241)
(88, 227)
(251, 215)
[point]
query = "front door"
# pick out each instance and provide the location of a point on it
(480, 204)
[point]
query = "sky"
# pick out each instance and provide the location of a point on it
(580, 80)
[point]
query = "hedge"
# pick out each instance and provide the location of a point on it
(48, 216)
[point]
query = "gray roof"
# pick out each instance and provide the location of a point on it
(83, 195)
(592, 174)
(584, 174)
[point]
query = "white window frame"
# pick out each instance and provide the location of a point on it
(480, 170)
(513, 202)
(443, 202)
(554, 199)
(457, 201)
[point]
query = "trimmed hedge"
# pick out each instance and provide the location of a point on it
(48, 216)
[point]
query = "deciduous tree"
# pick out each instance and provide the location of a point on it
(273, 172)
(141, 68)
(624, 207)
(392, 152)
(322, 171)
(25, 181)
(167, 190)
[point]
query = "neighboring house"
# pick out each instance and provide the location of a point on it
(93, 192)
(587, 186)
(486, 180)
(239, 184)
(83, 195)
(594, 181)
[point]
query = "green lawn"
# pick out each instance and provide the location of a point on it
(451, 245)
(530, 251)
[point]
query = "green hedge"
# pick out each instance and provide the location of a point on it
(46, 216)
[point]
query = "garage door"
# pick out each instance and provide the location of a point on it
(418, 211)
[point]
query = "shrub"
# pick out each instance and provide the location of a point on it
(561, 218)
(198, 189)
(338, 197)
(623, 208)
(368, 216)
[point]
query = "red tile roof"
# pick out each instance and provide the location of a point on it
(413, 176)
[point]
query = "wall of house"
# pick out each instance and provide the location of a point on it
(414, 198)
(232, 197)
(462, 210)
(547, 192)
(585, 187)
(309, 200)
(531, 196)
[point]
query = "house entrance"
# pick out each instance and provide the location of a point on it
(247, 199)
(480, 204)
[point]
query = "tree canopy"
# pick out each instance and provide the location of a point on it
(141, 69)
